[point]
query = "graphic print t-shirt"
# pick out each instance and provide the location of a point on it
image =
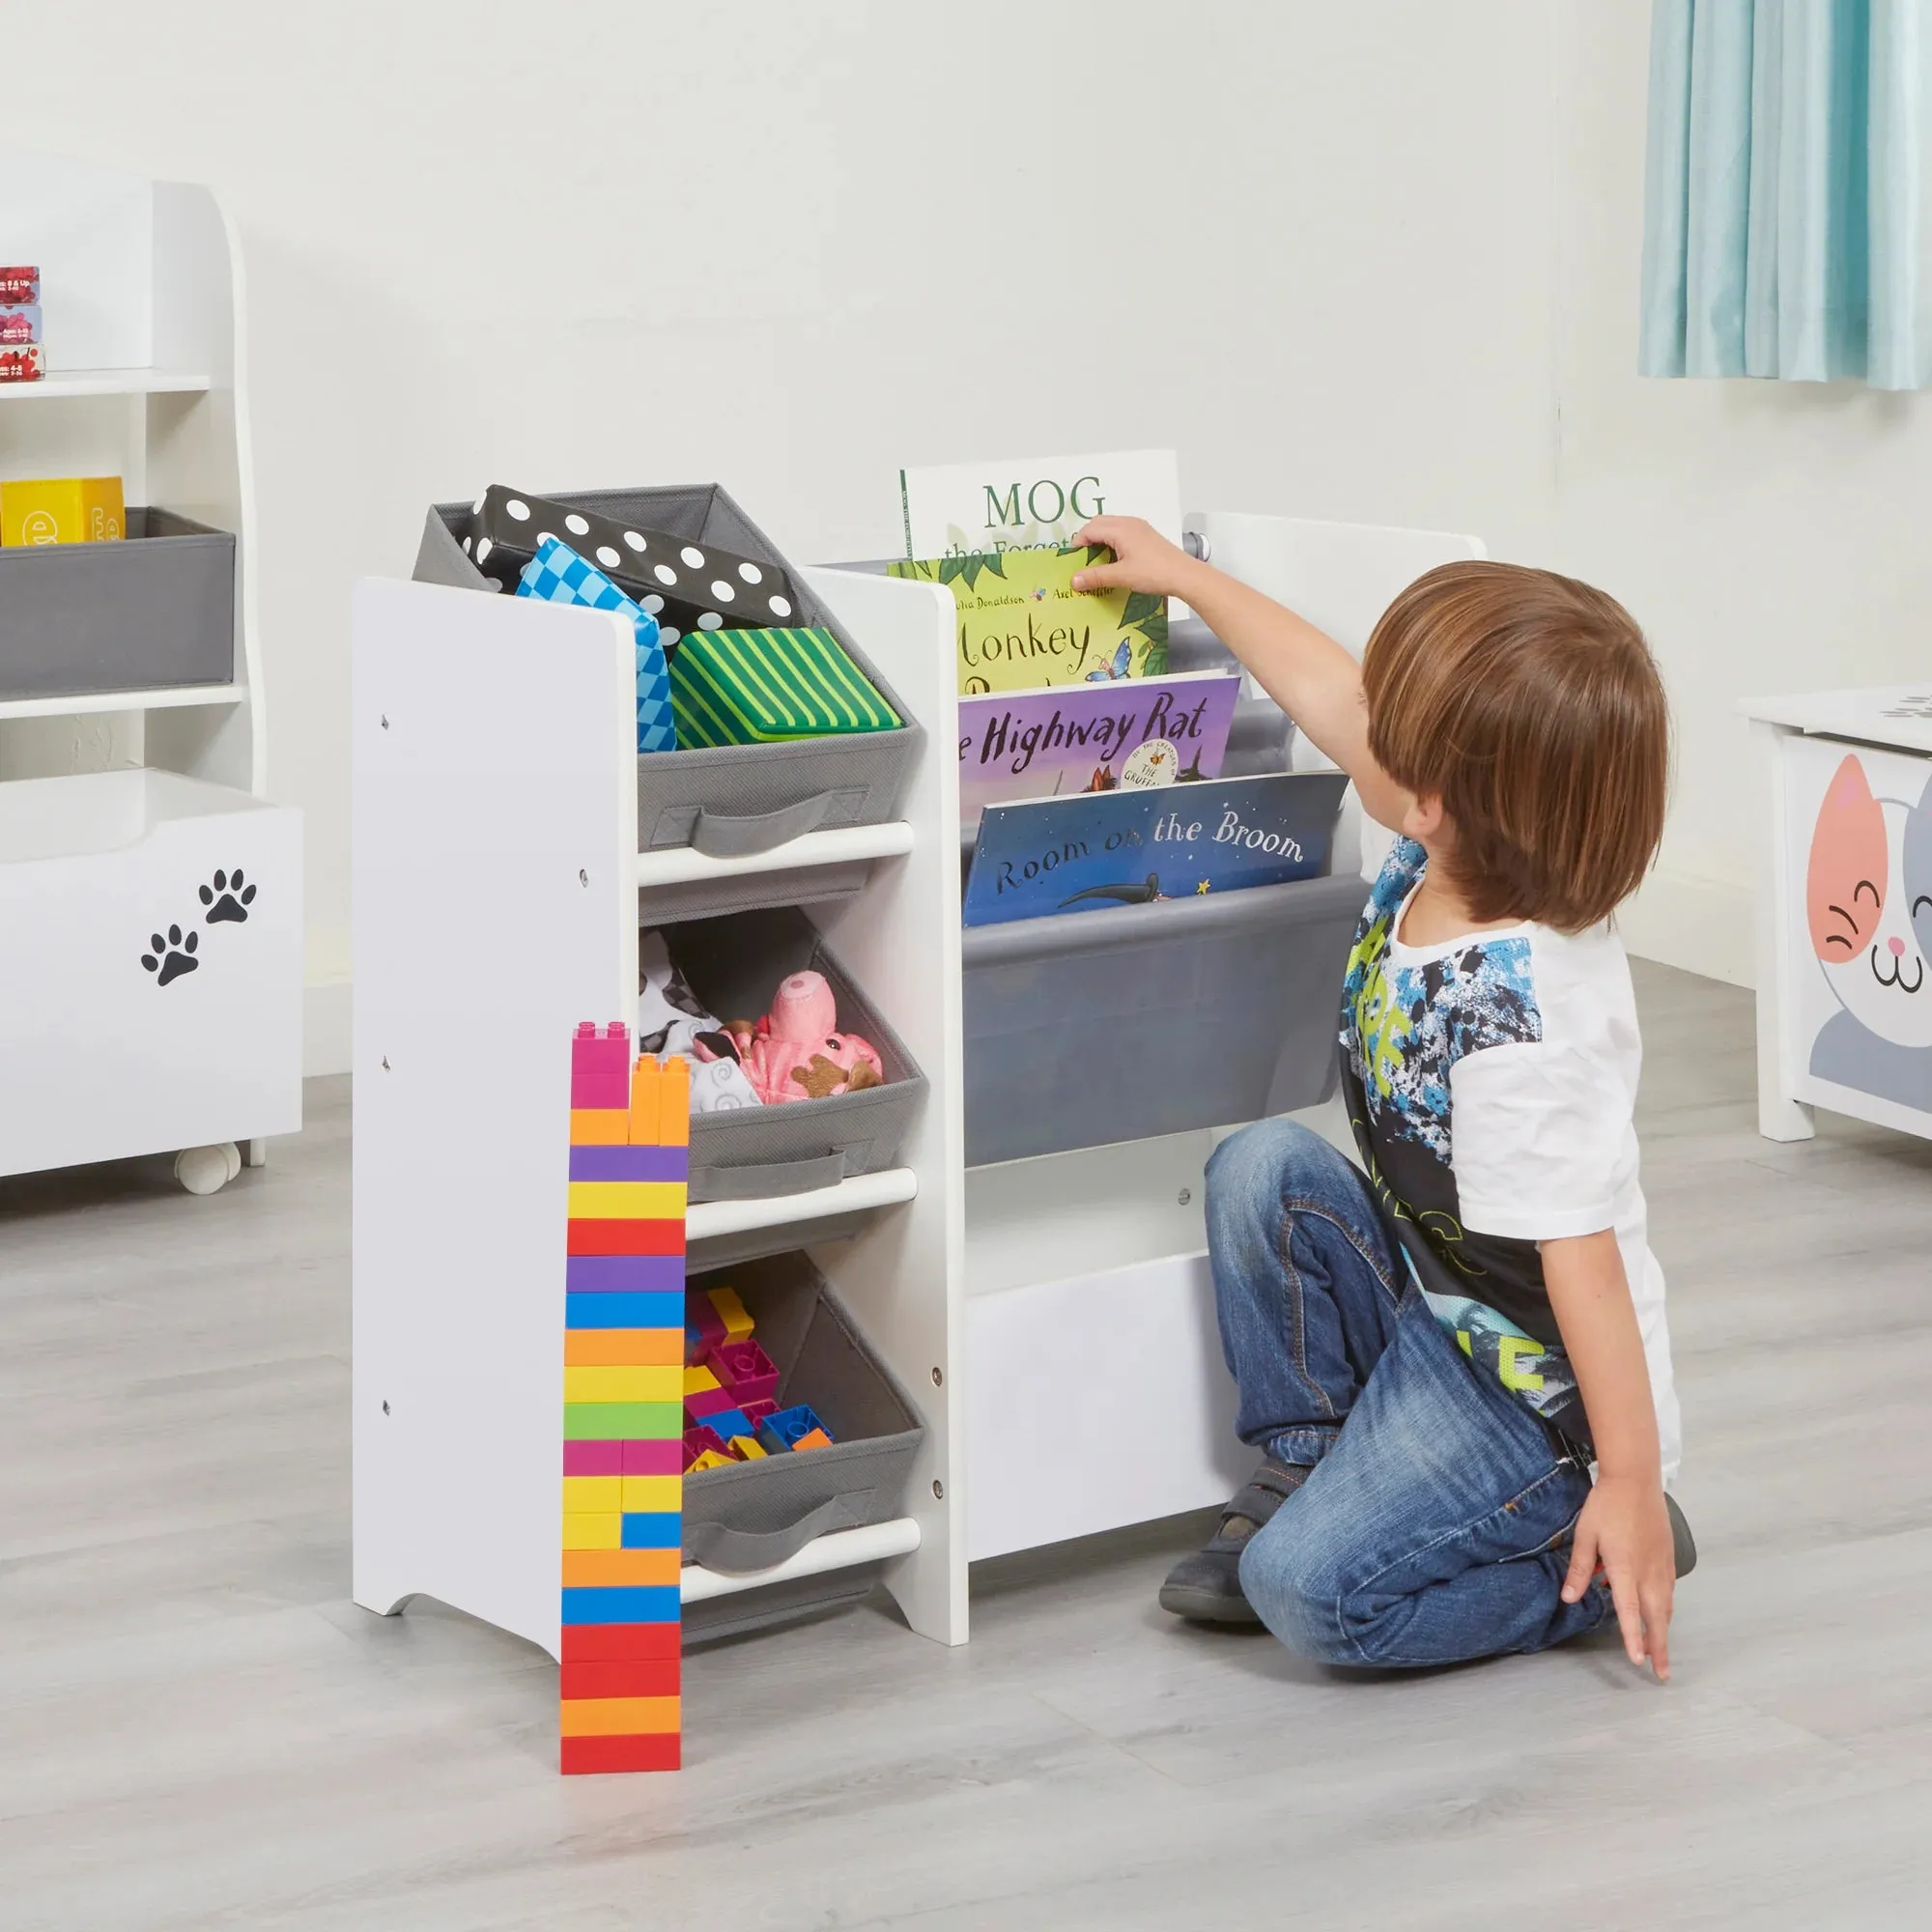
(1491, 1081)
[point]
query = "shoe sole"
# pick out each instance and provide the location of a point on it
(1207, 1607)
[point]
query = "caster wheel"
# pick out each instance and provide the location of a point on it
(206, 1170)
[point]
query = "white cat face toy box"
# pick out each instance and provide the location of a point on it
(1861, 828)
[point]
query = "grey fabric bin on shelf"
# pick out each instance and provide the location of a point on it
(736, 799)
(153, 610)
(733, 967)
(753, 1515)
(1094, 1027)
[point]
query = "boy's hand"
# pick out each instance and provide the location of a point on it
(1624, 1526)
(1144, 558)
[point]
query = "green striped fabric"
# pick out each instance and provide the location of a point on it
(769, 687)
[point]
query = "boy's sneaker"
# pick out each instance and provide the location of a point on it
(1683, 1546)
(1205, 1588)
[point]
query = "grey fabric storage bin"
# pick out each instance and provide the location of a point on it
(753, 1515)
(736, 799)
(733, 966)
(150, 611)
(1088, 1027)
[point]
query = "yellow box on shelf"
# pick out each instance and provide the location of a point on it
(61, 510)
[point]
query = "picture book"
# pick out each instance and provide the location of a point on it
(1132, 848)
(1024, 502)
(1022, 625)
(1082, 737)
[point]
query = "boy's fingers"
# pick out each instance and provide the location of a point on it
(1099, 576)
(1629, 1614)
(1582, 1565)
(1657, 1627)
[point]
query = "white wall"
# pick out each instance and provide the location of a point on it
(1370, 262)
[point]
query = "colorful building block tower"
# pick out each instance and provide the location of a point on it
(623, 1406)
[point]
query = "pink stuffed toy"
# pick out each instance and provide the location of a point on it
(795, 1052)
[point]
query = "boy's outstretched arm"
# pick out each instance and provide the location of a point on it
(1303, 669)
(1624, 1524)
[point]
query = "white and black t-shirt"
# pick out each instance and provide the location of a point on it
(1491, 1081)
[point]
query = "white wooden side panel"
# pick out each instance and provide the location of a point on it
(98, 1059)
(495, 823)
(1096, 1403)
(904, 1276)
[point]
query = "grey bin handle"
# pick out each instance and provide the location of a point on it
(719, 835)
(734, 1551)
(779, 1177)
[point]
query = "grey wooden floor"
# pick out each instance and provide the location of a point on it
(198, 1729)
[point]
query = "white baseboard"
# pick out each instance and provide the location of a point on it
(325, 1028)
(1704, 925)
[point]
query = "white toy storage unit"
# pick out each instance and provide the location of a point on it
(1050, 1316)
(151, 897)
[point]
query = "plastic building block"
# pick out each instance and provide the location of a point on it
(651, 1492)
(599, 1643)
(712, 1459)
(701, 1441)
(662, 1457)
(619, 1569)
(619, 1310)
(600, 1068)
(592, 1459)
(703, 1393)
(631, 1382)
(621, 1421)
(756, 1410)
(745, 1369)
(780, 1431)
(617, 1716)
(813, 1438)
(651, 1530)
(654, 1605)
(626, 1200)
(630, 1163)
(728, 1422)
(747, 1448)
(731, 1312)
(627, 1237)
(602, 1530)
(600, 1126)
(656, 1750)
(593, 1496)
(623, 1349)
(674, 1103)
(631, 1274)
(646, 1121)
(621, 1677)
(705, 1322)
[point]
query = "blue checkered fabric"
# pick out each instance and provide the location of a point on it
(559, 576)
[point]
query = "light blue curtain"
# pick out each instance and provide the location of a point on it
(1786, 192)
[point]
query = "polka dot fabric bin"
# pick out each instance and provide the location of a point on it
(732, 799)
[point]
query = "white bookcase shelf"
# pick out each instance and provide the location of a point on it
(142, 294)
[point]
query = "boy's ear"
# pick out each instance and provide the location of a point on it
(1425, 817)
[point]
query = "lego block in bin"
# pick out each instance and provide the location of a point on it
(701, 1441)
(728, 1422)
(702, 1397)
(780, 1432)
(730, 1313)
(685, 586)
(745, 1369)
(712, 1459)
(756, 1411)
(813, 1438)
(747, 1449)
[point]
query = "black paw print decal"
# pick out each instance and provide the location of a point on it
(172, 956)
(228, 898)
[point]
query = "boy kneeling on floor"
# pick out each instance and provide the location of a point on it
(1432, 1350)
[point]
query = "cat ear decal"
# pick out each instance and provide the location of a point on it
(1844, 885)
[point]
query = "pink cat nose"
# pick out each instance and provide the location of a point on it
(1897, 948)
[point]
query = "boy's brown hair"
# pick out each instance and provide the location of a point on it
(1531, 703)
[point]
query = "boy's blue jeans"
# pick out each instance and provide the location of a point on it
(1434, 1524)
